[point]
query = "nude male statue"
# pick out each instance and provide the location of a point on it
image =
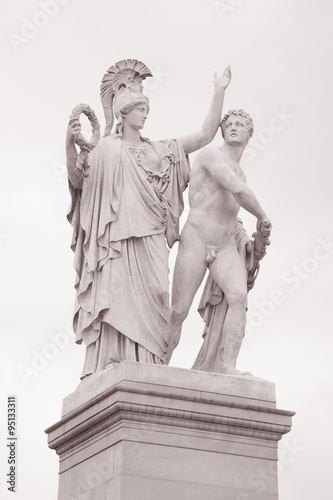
(217, 191)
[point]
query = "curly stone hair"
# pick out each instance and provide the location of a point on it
(238, 112)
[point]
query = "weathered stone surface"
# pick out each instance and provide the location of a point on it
(171, 381)
(148, 431)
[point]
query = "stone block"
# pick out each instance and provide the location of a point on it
(141, 431)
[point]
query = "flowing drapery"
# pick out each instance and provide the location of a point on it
(120, 222)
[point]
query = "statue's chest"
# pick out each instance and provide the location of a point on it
(153, 164)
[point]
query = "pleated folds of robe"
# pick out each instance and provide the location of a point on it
(121, 223)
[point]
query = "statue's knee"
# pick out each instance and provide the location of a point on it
(237, 298)
(178, 314)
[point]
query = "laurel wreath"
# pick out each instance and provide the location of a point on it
(86, 145)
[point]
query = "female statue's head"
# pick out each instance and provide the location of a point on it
(122, 79)
(125, 101)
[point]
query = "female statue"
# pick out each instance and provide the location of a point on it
(126, 203)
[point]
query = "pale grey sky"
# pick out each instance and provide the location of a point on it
(280, 53)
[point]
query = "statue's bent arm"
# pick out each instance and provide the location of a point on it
(226, 177)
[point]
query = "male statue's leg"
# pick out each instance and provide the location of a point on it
(190, 268)
(230, 274)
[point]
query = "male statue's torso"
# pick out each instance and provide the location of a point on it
(213, 208)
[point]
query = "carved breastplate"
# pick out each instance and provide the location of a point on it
(154, 164)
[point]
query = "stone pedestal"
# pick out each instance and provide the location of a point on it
(149, 432)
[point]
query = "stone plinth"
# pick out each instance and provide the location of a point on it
(140, 432)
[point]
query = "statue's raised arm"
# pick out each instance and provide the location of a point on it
(197, 140)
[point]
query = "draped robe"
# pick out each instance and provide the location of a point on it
(120, 222)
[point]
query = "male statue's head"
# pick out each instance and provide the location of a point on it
(236, 127)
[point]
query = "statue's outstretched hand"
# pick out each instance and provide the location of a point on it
(223, 80)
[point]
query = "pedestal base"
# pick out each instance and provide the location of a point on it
(140, 432)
